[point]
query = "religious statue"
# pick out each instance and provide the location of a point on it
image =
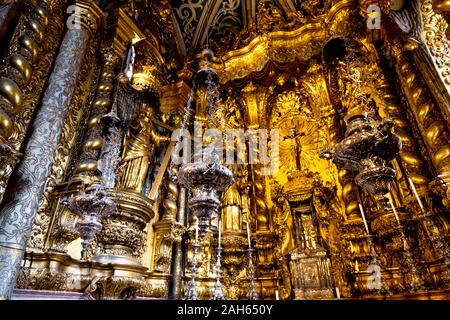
(138, 152)
(231, 210)
(296, 144)
(283, 218)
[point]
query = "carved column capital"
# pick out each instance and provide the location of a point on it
(85, 14)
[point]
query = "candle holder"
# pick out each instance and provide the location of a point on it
(383, 288)
(218, 288)
(439, 243)
(416, 283)
(251, 295)
(191, 293)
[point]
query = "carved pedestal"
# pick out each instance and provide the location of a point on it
(309, 261)
(114, 288)
(234, 250)
(122, 237)
(310, 271)
(264, 245)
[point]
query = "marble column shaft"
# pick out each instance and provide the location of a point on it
(21, 204)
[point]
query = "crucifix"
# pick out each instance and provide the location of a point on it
(295, 136)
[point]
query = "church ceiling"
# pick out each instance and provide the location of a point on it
(180, 28)
(197, 20)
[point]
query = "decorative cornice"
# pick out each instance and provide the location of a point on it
(127, 31)
(284, 46)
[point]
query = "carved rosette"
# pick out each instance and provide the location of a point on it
(122, 237)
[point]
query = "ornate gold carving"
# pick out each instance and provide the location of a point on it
(155, 290)
(174, 97)
(122, 237)
(231, 209)
(442, 7)
(276, 82)
(42, 278)
(167, 231)
(282, 219)
(254, 100)
(145, 80)
(126, 32)
(433, 130)
(234, 244)
(280, 46)
(22, 59)
(388, 106)
(311, 274)
(114, 287)
(434, 28)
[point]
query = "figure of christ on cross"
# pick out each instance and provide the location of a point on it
(295, 137)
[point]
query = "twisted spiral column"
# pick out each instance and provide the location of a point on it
(93, 139)
(431, 124)
(18, 69)
(412, 162)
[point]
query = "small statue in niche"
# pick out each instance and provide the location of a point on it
(138, 151)
(295, 137)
